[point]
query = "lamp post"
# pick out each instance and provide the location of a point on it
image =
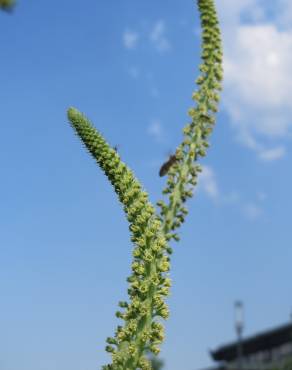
(239, 324)
(291, 326)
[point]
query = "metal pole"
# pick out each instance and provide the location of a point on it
(291, 326)
(239, 348)
(239, 328)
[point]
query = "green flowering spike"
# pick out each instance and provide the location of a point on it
(7, 4)
(148, 284)
(182, 176)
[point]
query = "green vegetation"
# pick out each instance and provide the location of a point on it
(7, 4)
(149, 283)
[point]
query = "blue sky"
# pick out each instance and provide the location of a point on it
(64, 244)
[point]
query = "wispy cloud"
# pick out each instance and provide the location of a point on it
(252, 211)
(208, 183)
(134, 72)
(130, 39)
(155, 130)
(284, 13)
(158, 37)
(269, 155)
(264, 153)
(258, 82)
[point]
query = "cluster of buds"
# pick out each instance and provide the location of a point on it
(183, 174)
(149, 283)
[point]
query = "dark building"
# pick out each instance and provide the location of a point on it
(271, 349)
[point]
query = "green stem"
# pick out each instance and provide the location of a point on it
(183, 175)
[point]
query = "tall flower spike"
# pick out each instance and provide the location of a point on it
(182, 175)
(7, 4)
(149, 285)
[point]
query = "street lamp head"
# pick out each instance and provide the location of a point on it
(238, 311)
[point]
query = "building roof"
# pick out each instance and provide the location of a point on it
(259, 342)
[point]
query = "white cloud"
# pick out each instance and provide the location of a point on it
(155, 130)
(284, 13)
(257, 70)
(257, 80)
(231, 12)
(270, 155)
(134, 72)
(263, 153)
(252, 211)
(130, 39)
(208, 183)
(232, 198)
(158, 37)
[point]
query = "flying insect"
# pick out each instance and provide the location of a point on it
(166, 166)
